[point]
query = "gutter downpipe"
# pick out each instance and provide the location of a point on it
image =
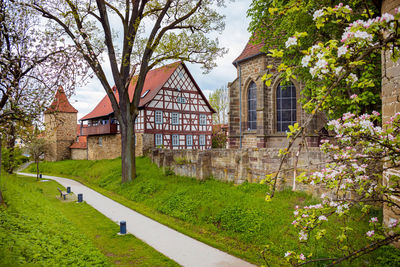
(240, 104)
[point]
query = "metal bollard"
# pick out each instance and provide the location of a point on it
(68, 189)
(80, 198)
(122, 227)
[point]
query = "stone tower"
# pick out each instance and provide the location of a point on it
(60, 122)
(390, 99)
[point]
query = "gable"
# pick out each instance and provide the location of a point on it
(183, 84)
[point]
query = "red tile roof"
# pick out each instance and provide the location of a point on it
(61, 103)
(249, 51)
(155, 80)
(82, 142)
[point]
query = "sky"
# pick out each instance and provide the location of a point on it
(234, 38)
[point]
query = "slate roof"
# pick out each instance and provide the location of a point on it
(249, 51)
(155, 80)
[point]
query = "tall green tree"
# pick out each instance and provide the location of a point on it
(273, 22)
(135, 36)
(219, 100)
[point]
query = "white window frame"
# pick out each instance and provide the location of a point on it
(189, 140)
(202, 140)
(203, 119)
(175, 118)
(175, 140)
(158, 117)
(158, 139)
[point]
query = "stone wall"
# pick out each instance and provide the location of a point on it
(60, 133)
(79, 153)
(390, 100)
(235, 165)
(104, 146)
(109, 146)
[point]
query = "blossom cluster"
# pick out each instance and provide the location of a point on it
(357, 151)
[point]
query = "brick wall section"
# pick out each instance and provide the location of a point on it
(60, 133)
(79, 153)
(104, 146)
(390, 100)
(236, 165)
(110, 147)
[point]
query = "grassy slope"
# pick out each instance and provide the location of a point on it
(38, 229)
(235, 219)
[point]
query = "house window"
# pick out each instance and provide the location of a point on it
(175, 118)
(180, 75)
(252, 106)
(202, 140)
(189, 140)
(100, 141)
(159, 117)
(175, 140)
(159, 139)
(203, 119)
(285, 106)
(181, 100)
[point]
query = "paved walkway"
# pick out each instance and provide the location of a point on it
(184, 250)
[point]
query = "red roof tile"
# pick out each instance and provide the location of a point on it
(82, 142)
(249, 51)
(155, 80)
(61, 103)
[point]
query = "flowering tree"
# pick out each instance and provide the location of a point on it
(287, 18)
(361, 149)
(33, 63)
(151, 32)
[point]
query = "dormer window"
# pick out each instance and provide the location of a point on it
(145, 93)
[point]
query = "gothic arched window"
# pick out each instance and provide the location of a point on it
(285, 106)
(251, 107)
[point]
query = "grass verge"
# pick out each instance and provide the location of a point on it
(36, 228)
(235, 219)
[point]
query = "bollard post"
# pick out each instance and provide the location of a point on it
(68, 189)
(40, 176)
(80, 198)
(122, 227)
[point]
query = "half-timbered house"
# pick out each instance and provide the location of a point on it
(174, 114)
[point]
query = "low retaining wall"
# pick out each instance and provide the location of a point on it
(236, 165)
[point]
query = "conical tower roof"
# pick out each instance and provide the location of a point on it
(61, 103)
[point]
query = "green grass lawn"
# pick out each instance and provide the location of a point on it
(233, 218)
(38, 229)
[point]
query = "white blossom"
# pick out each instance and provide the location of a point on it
(318, 13)
(291, 41)
(342, 50)
(305, 60)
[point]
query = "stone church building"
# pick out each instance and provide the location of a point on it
(260, 115)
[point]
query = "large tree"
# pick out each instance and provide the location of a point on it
(219, 100)
(33, 63)
(136, 35)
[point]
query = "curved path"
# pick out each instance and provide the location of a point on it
(184, 250)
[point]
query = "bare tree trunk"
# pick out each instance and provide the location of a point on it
(1, 195)
(37, 170)
(128, 152)
(11, 146)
